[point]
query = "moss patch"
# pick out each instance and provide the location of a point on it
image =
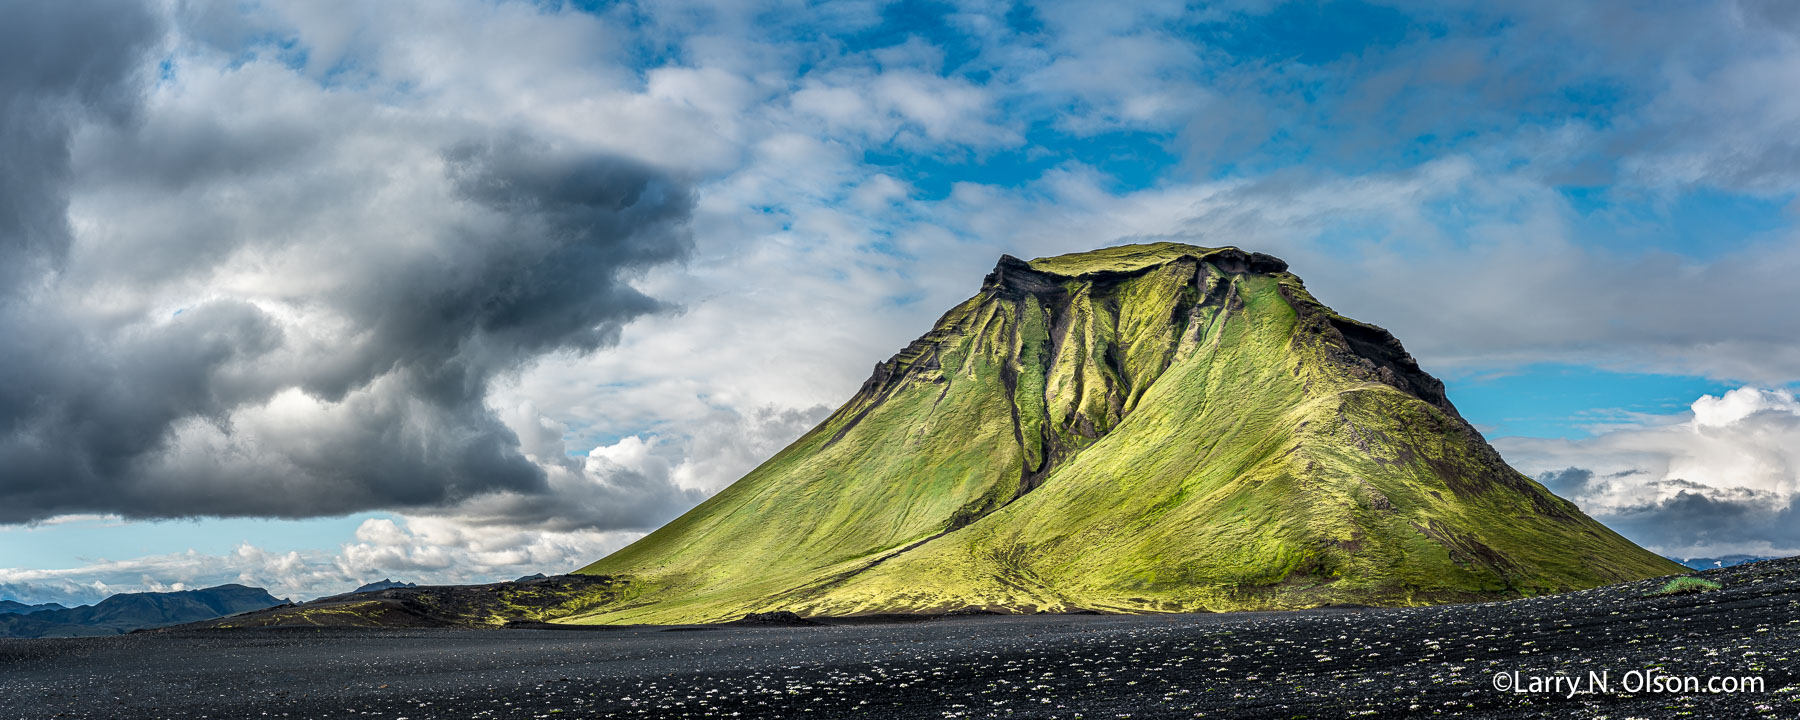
(1687, 585)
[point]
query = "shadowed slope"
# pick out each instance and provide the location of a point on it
(1148, 427)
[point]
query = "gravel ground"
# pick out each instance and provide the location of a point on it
(1312, 664)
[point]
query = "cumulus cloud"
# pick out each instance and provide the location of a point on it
(907, 108)
(250, 314)
(640, 481)
(412, 549)
(1479, 269)
(1722, 478)
(60, 64)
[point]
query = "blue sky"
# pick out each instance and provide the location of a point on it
(1581, 216)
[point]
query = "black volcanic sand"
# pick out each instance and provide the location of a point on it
(1332, 663)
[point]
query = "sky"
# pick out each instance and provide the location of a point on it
(306, 294)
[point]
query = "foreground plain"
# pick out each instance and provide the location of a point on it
(1329, 663)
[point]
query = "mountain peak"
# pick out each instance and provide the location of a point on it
(1139, 428)
(1045, 276)
(1138, 257)
(382, 584)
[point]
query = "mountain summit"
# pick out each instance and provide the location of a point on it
(1141, 428)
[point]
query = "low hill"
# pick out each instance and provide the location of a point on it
(523, 602)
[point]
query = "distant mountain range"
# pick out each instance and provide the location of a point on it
(383, 584)
(1720, 562)
(126, 612)
(10, 607)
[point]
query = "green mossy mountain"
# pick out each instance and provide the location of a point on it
(1142, 428)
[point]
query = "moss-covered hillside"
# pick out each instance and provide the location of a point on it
(1142, 428)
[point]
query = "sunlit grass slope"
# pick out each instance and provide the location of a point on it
(1142, 428)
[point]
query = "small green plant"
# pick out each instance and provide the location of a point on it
(1687, 585)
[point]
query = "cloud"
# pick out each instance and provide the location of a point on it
(60, 63)
(638, 482)
(1480, 269)
(412, 549)
(1722, 478)
(222, 328)
(904, 107)
(66, 593)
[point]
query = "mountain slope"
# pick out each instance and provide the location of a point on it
(14, 607)
(1147, 427)
(125, 612)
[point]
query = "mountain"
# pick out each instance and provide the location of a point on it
(125, 612)
(1142, 428)
(1720, 562)
(382, 584)
(526, 602)
(12, 607)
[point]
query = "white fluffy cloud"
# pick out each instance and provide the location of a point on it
(423, 550)
(1722, 478)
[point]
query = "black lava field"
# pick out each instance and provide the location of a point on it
(1331, 663)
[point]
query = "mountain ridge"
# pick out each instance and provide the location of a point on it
(382, 584)
(14, 607)
(1210, 436)
(126, 612)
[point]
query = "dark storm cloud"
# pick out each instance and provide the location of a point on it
(596, 214)
(231, 406)
(83, 409)
(543, 273)
(634, 485)
(618, 498)
(1696, 516)
(1574, 481)
(58, 61)
(1567, 482)
(1692, 518)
